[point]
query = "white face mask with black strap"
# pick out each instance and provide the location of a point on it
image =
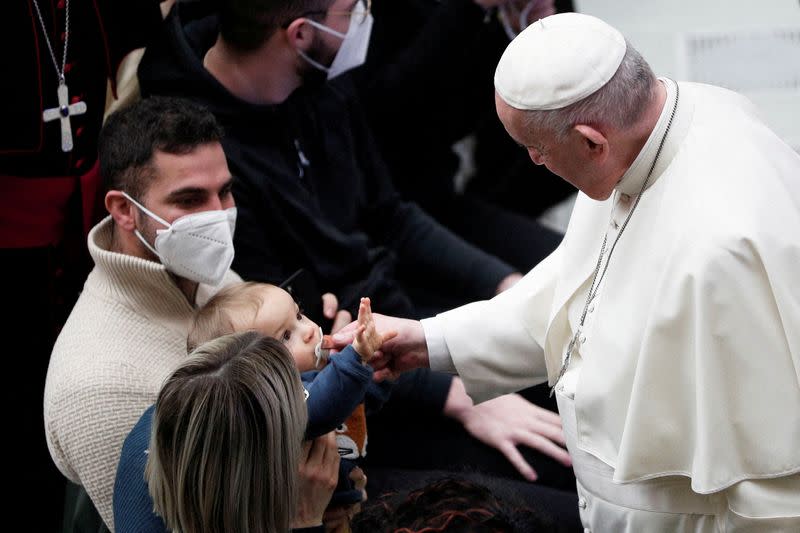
(198, 246)
(355, 43)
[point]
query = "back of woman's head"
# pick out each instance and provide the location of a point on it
(226, 438)
(454, 505)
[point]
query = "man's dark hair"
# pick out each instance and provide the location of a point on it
(131, 136)
(246, 24)
(453, 505)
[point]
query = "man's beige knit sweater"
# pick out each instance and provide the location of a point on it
(124, 337)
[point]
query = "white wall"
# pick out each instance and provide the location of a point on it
(761, 49)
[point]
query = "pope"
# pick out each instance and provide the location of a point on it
(668, 320)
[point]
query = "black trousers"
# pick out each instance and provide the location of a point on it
(408, 450)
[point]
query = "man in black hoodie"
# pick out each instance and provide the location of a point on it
(311, 187)
(313, 192)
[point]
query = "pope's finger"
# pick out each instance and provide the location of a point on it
(346, 335)
(379, 361)
(389, 336)
(383, 374)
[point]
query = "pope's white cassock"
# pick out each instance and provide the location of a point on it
(681, 405)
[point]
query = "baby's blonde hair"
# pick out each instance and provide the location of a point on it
(226, 312)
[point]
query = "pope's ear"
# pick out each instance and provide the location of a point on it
(592, 140)
(121, 209)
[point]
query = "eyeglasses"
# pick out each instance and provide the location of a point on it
(361, 15)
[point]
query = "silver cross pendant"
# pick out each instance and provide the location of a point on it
(63, 112)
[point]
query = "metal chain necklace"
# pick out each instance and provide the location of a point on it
(64, 109)
(595, 285)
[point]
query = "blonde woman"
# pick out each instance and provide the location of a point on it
(225, 447)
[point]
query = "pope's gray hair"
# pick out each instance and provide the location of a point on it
(619, 103)
(226, 438)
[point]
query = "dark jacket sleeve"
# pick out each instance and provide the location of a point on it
(377, 395)
(335, 391)
(421, 390)
(423, 246)
(133, 506)
(128, 26)
(439, 74)
(426, 89)
(262, 240)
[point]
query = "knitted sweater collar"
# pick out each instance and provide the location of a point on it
(142, 285)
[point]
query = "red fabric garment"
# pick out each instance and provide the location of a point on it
(33, 211)
(48, 200)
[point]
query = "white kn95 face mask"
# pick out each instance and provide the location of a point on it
(197, 246)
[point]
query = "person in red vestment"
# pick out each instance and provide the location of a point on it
(47, 203)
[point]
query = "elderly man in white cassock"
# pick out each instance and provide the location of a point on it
(668, 320)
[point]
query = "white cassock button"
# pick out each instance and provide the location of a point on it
(583, 339)
(582, 503)
(591, 308)
(614, 223)
(625, 197)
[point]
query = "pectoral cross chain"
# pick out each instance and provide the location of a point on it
(63, 112)
(567, 359)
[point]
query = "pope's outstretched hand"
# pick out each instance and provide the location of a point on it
(404, 352)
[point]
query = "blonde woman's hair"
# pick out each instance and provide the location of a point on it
(226, 439)
(224, 313)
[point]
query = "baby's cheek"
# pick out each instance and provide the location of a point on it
(305, 362)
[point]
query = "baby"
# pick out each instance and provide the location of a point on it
(339, 389)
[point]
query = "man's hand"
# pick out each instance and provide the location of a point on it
(510, 420)
(330, 306)
(508, 282)
(407, 351)
(507, 421)
(319, 472)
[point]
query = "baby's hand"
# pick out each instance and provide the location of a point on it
(367, 340)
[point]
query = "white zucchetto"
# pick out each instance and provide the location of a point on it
(557, 61)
